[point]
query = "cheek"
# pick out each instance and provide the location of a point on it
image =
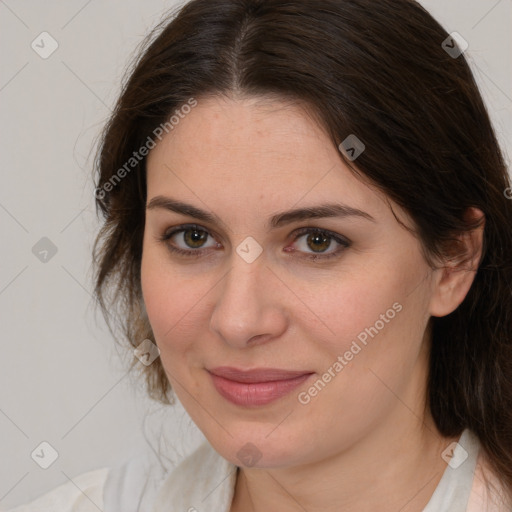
(370, 360)
(378, 322)
(357, 306)
(375, 320)
(174, 304)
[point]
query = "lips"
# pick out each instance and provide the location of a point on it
(258, 386)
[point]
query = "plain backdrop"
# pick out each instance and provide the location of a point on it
(62, 380)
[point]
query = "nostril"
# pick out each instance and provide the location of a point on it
(259, 338)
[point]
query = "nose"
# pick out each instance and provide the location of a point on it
(249, 308)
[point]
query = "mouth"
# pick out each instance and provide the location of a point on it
(255, 387)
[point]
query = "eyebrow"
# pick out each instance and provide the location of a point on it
(337, 210)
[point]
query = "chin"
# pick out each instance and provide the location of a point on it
(253, 447)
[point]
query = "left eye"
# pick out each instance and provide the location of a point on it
(318, 243)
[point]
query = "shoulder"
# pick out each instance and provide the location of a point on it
(487, 492)
(83, 493)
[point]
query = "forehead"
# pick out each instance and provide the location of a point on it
(250, 149)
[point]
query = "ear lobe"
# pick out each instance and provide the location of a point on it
(456, 275)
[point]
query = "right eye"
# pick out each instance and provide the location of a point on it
(189, 240)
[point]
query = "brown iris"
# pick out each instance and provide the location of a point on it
(318, 242)
(195, 237)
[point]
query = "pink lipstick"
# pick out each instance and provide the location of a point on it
(258, 386)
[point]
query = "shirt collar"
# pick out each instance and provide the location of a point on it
(203, 482)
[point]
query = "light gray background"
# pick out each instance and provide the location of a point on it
(61, 378)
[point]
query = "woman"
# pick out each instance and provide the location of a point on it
(307, 240)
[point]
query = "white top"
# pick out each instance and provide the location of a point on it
(205, 481)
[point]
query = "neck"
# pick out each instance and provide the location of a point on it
(395, 467)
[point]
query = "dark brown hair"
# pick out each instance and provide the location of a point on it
(374, 69)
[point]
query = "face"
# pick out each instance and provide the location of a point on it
(262, 251)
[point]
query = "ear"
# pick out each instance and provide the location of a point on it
(455, 276)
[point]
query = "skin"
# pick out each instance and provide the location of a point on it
(365, 442)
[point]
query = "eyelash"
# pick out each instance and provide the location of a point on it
(195, 253)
